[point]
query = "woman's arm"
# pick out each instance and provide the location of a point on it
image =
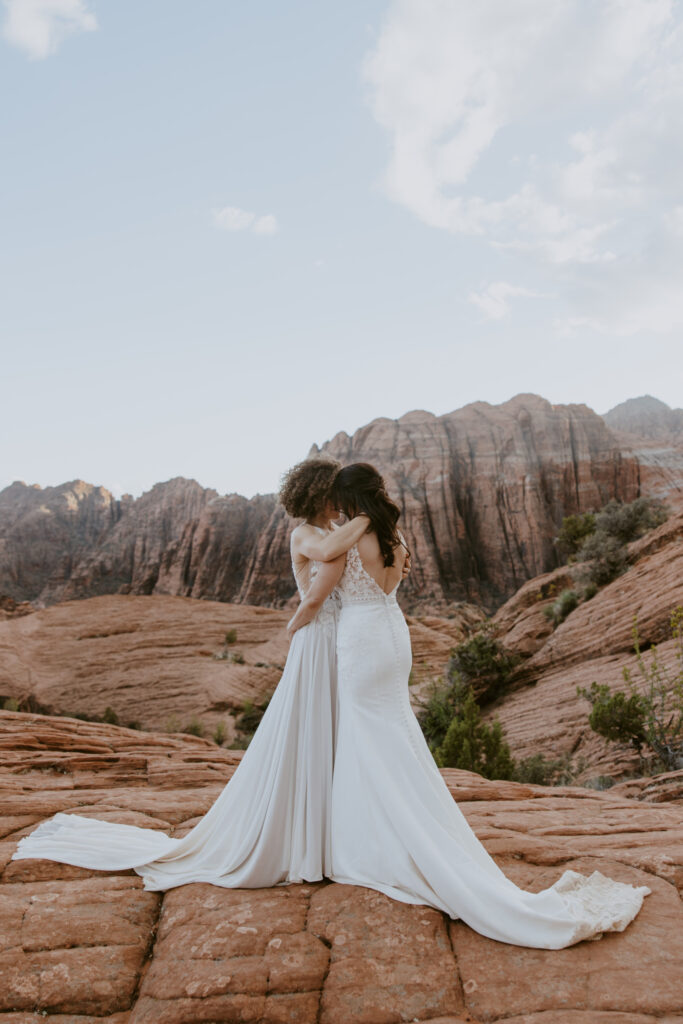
(325, 581)
(325, 549)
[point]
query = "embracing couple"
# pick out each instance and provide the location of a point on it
(338, 781)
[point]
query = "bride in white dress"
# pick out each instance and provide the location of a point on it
(394, 825)
(270, 824)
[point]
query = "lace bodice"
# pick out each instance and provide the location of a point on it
(327, 614)
(357, 585)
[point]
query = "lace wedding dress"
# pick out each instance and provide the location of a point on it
(270, 824)
(394, 825)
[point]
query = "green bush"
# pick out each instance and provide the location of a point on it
(250, 718)
(616, 716)
(483, 662)
(11, 704)
(600, 538)
(605, 557)
(436, 713)
(475, 746)
(627, 522)
(573, 532)
(237, 657)
(231, 637)
(110, 716)
(652, 719)
(194, 727)
(558, 611)
(219, 734)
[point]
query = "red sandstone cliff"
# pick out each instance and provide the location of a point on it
(483, 492)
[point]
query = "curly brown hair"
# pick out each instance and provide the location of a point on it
(305, 488)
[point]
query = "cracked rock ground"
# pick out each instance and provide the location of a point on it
(80, 947)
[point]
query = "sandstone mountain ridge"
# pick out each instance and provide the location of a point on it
(483, 490)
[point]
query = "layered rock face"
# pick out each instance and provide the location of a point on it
(653, 433)
(646, 418)
(540, 710)
(482, 490)
(162, 660)
(84, 946)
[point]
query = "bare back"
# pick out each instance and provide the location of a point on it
(385, 576)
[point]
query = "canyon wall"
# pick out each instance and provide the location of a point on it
(483, 491)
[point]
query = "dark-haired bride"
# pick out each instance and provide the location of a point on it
(270, 824)
(394, 825)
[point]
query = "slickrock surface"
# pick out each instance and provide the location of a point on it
(483, 491)
(541, 709)
(83, 946)
(153, 659)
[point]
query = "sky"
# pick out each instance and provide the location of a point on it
(233, 229)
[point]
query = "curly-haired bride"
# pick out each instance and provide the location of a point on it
(270, 824)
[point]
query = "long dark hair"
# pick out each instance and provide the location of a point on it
(360, 488)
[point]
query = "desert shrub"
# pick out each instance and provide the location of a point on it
(616, 525)
(134, 725)
(239, 743)
(558, 611)
(473, 745)
(436, 712)
(110, 716)
(605, 557)
(237, 657)
(572, 533)
(549, 771)
(194, 727)
(616, 716)
(652, 719)
(231, 637)
(627, 522)
(10, 704)
(483, 662)
(250, 718)
(589, 590)
(219, 734)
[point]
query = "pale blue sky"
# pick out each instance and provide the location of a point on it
(232, 229)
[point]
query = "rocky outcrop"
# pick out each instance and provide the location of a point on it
(85, 946)
(162, 661)
(540, 710)
(647, 419)
(45, 532)
(483, 491)
(652, 433)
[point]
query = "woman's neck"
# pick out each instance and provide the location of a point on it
(320, 521)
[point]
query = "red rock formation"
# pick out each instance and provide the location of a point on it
(483, 491)
(160, 660)
(85, 946)
(540, 710)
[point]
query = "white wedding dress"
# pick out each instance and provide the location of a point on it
(395, 826)
(270, 824)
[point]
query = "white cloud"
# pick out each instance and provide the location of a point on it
(266, 225)
(231, 218)
(39, 26)
(493, 300)
(551, 130)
